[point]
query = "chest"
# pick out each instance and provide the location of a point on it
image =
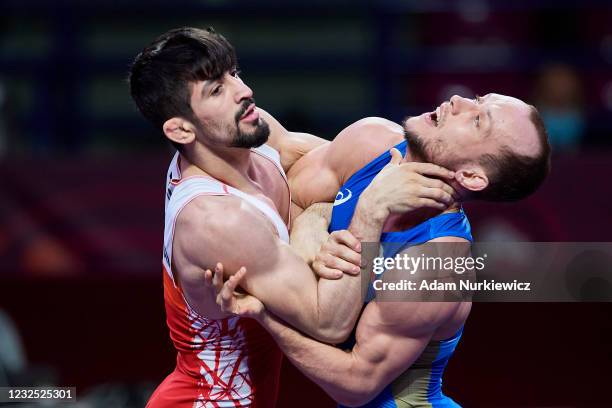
(269, 185)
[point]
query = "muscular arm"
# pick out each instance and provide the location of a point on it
(390, 337)
(291, 145)
(384, 349)
(228, 230)
(231, 231)
(309, 231)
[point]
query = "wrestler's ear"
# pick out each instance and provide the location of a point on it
(472, 177)
(179, 130)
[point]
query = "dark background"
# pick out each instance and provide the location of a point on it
(82, 174)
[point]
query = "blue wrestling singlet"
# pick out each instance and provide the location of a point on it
(420, 385)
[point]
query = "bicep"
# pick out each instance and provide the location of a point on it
(385, 349)
(314, 178)
(244, 237)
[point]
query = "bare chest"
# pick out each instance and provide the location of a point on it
(268, 184)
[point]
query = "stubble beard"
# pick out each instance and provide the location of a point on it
(255, 138)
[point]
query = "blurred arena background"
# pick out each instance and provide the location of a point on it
(82, 173)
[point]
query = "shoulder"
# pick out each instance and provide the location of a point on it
(363, 141)
(223, 221)
(373, 132)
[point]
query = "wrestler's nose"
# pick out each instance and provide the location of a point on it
(242, 90)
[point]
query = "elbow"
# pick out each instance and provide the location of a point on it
(356, 398)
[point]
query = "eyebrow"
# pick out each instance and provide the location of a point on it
(490, 122)
(489, 117)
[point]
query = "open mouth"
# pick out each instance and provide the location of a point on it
(433, 116)
(436, 116)
(249, 110)
(250, 114)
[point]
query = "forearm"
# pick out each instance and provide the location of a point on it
(336, 371)
(309, 231)
(340, 300)
(368, 218)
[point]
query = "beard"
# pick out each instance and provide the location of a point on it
(430, 151)
(419, 149)
(254, 138)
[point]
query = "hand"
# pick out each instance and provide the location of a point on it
(340, 254)
(230, 301)
(405, 187)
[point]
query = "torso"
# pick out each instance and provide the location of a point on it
(421, 384)
(221, 361)
(266, 183)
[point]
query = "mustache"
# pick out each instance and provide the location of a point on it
(245, 105)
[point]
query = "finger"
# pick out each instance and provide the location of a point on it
(345, 237)
(218, 277)
(208, 280)
(234, 280)
(325, 272)
(428, 202)
(333, 262)
(396, 156)
(430, 169)
(436, 194)
(434, 183)
(227, 293)
(341, 251)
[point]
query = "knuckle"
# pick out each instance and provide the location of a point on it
(333, 262)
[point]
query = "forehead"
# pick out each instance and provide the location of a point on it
(504, 100)
(512, 124)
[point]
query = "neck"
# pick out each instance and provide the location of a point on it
(402, 222)
(230, 165)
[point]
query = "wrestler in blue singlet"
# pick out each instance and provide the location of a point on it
(420, 385)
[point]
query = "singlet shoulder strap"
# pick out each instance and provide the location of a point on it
(276, 219)
(192, 187)
(272, 154)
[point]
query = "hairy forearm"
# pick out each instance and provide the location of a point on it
(336, 371)
(309, 231)
(340, 300)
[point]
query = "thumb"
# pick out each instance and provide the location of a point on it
(396, 156)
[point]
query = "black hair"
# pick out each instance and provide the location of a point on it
(161, 74)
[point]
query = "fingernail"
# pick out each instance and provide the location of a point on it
(356, 269)
(338, 274)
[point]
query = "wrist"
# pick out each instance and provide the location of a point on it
(371, 208)
(263, 318)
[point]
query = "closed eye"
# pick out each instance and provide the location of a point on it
(478, 100)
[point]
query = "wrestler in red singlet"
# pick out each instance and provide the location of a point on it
(231, 362)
